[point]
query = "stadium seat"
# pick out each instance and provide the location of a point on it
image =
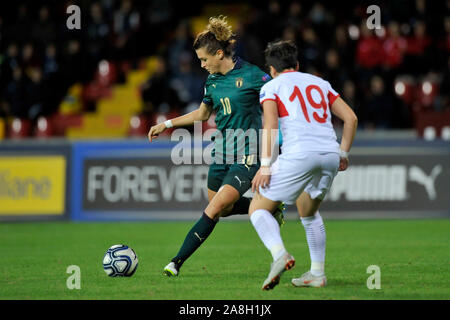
(19, 128)
(405, 89)
(139, 126)
(93, 91)
(43, 127)
(427, 121)
(161, 117)
(60, 123)
(106, 74)
(426, 93)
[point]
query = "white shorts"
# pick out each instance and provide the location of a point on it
(312, 172)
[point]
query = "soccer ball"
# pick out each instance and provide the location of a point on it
(120, 261)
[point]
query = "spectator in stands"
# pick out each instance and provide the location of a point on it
(52, 78)
(126, 24)
(294, 15)
(9, 62)
(156, 92)
(344, 46)
(369, 56)
(271, 22)
(320, 21)
(311, 49)
(248, 45)
(19, 31)
(350, 95)
(15, 93)
(97, 35)
(43, 31)
(394, 47)
(417, 59)
(158, 16)
(73, 70)
(334, 72)
(379, 105)
(369, 49)
(181, 44)
(35, 93)
(29, 57)
(50, 64)
(187, 83)
(289, 34)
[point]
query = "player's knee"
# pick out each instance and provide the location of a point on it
(218, 209)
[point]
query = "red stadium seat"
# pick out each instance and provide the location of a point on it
(19, 128)
(43, 127)
(431, 119)
(139, 126)
(106, 73)
(161, 117)
(405, 90)
(60, 122)
(427, 92)
(93, 91)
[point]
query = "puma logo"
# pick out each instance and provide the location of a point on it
(240, 182)
(199, 238)
(416, 174)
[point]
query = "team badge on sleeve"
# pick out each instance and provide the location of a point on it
(265, 77)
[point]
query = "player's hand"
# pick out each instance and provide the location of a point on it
(154, 131)
(261, 179)
(343, 164)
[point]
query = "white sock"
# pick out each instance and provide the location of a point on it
(316, 237)
(269, 231)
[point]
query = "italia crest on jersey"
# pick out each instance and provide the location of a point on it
(239, 82)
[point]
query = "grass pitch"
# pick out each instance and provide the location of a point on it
(413, 256)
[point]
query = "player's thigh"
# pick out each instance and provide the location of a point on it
(222, 200)
(307, 206)
(261, 202)
(240, 177)
(316, 190)
(216, 175)
(289, 177)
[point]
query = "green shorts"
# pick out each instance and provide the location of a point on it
(239, 176)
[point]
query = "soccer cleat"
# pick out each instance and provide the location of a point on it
(285, 262)
(278, 214)
(309, 280)
(171, 270)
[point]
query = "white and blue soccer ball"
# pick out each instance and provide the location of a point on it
(120, 261)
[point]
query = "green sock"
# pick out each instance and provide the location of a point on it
(239, 207)
(195, 237)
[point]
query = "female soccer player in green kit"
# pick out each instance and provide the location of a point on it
(232, 93)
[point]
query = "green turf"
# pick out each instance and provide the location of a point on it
(413, 255)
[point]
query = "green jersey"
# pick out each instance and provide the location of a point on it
(234, 98)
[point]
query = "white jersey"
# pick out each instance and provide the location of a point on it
(303, 102)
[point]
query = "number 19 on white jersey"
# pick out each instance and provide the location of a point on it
(303, 102)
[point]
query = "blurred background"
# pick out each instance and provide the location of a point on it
(132, 64)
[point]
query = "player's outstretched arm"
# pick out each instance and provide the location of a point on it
(343, 111)
(201, 114)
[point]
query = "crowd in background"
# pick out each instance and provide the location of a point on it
(40, 58)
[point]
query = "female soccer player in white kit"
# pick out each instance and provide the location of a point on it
(310, 158)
